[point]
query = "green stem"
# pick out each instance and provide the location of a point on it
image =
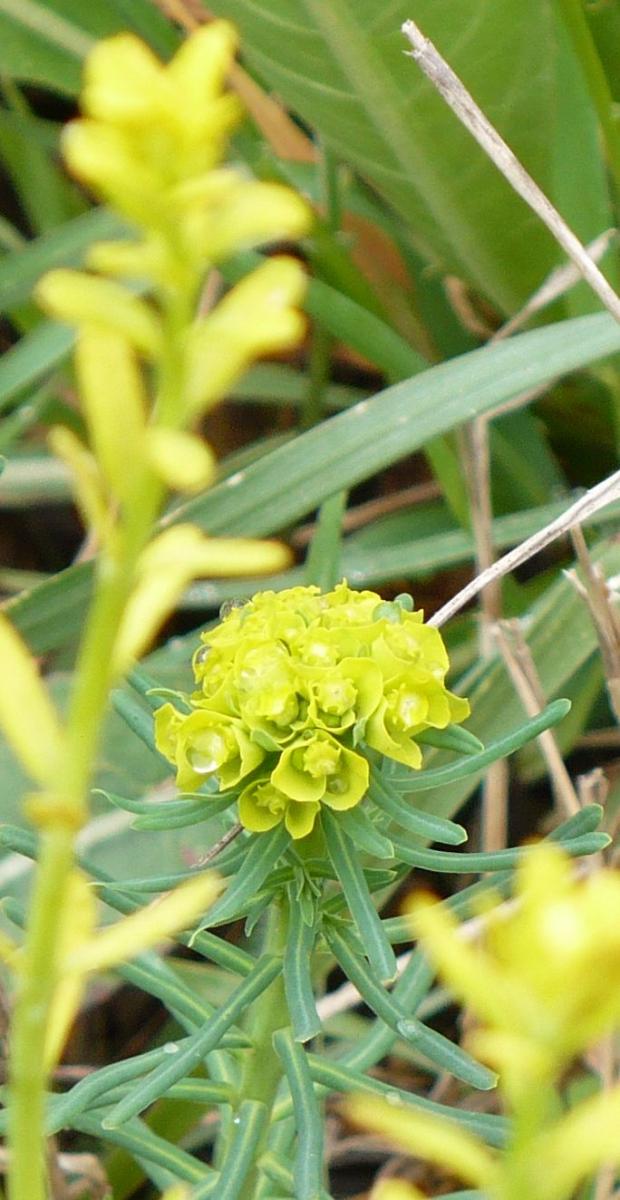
(67, 811)
(262, 1070)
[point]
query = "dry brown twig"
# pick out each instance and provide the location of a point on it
(520, 664)
(586, 506)
(595, 592)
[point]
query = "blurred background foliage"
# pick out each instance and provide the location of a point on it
(419, 254)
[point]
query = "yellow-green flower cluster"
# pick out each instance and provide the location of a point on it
(546, 983)
(291, 685)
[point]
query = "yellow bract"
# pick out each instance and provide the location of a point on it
(166, 568)
(82, 949)
(28, 718)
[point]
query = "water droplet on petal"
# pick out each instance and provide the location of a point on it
(229, 605)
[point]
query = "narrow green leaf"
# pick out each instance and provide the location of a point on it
(171, 814)
(250, 1124)
(157, 979)
(308, 1174)
(426, 825)
(300, 939)
(261, 855)
(432, 1045)
(295, 478)
(278, 1173)
(358, 898)
(453, 738)
(137, 717)
(361, 830)
(139, 1140)
(462, 862)
(93, 1089)
(232, 958)
(336, 1078)
(446, 1054)
(197, 1046)
(585, 821)
(426, 780)
(27, 363)
(322, 566)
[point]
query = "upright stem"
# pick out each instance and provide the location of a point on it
(262, 1070)
(68, 805)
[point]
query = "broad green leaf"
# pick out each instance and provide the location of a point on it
(61, 247)
(342, 67)
(288, 483)
(46, 196)
(355, 444)
(580, 184)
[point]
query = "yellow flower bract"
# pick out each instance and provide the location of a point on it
(291, 685)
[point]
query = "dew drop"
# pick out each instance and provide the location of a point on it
(229, 605)
(236, 1120)
(171, 1048)
(393, 1098)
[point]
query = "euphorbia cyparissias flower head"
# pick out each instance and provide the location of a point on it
(293, 687)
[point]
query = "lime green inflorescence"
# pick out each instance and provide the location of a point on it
(292, 686)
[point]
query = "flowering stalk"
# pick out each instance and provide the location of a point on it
(149, 143)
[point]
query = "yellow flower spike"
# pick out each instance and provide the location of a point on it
(147, 259)
(104, 158)
(199, 67)
(115, 405)
(146, 928)
(166, 568)
(430, 1137)
(258, 316)
(90, 496)
(124, 83)
(78, 924)
(81, 299)
(252, 214)
(28, 718)
(184, 462)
